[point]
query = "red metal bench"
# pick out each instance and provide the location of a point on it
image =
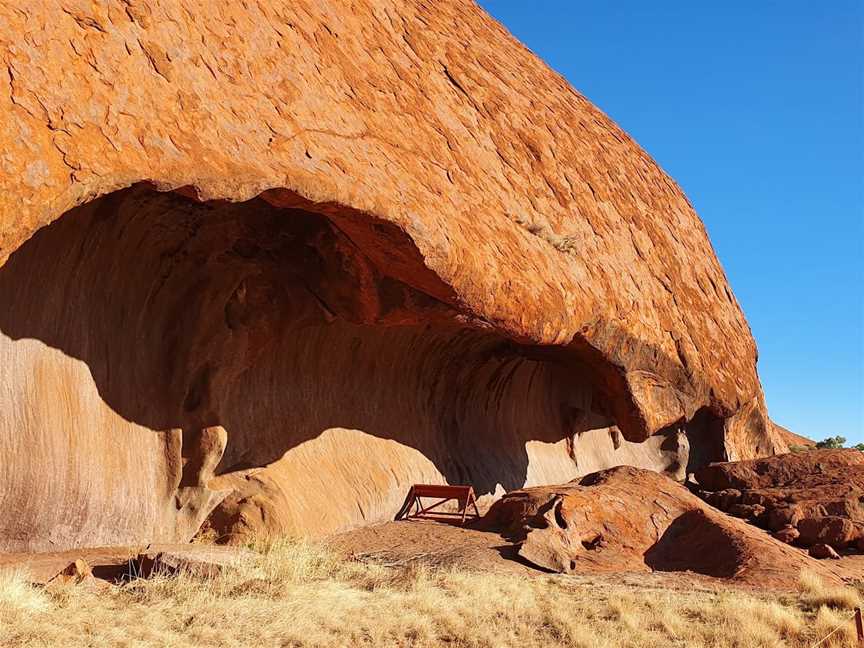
(464, 495)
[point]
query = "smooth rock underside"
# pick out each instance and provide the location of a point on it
(262, 267)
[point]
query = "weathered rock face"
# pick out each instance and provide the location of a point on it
(629, 519)
(807, 498)
(398, 248)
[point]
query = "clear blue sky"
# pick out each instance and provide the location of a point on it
(755, 108)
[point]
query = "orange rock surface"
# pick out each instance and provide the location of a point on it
(266, 265)
(630, 520)
(805, 498)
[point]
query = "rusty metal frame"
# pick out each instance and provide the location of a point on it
(413, 507)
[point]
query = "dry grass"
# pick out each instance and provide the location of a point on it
(814, 594)
(297, 594)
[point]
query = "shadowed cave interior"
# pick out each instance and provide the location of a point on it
(338, 365)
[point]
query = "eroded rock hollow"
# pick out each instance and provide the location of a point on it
(175, 356)
(263, 269)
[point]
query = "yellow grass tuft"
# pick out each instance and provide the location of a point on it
(827, 622)
(300, 594)
(815, 593)
(18, 597)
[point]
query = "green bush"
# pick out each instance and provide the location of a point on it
(832, 443)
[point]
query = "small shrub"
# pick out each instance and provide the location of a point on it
(831, 443)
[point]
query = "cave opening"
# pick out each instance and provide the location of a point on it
(303, 357)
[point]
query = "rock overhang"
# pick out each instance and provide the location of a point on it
(468, 170)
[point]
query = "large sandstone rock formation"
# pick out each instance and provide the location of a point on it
(270, 263)
(630, 520)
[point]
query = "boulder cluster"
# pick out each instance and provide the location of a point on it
(810, 499)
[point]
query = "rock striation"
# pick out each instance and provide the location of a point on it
(263, 266)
